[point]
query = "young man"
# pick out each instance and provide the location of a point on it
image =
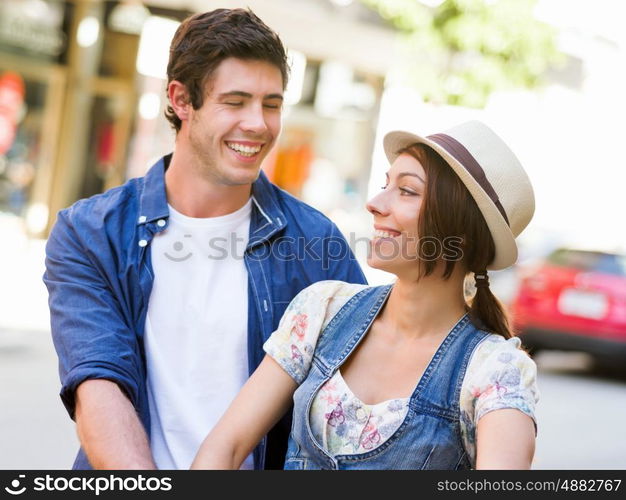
(162, 291)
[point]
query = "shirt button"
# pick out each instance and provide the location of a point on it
(160, 223)
(142, 219)
(142, 243)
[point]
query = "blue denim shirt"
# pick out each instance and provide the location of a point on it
(99, 278)
(430, 435)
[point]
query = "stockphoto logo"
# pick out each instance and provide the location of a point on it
(16, 487)
(95, 485)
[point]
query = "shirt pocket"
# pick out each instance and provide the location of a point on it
(295, 464)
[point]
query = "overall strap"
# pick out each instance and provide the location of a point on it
(440, 386)
(348, 326)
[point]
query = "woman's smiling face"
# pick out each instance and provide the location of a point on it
(396, 210)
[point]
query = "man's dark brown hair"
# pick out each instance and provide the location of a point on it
(203, 41)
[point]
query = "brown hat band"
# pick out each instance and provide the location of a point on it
(465, 158)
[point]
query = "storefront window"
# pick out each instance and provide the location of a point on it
(22, 103)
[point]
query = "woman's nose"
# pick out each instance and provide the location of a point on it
(378, 205)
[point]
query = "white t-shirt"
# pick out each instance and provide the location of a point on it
(196, 333)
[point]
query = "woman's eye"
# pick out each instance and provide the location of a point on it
(234, 103)
(407, 192)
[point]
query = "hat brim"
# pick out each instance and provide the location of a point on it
(504, 240)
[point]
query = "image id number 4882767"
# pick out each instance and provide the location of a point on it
(590, 485)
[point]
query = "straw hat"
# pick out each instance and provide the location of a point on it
(492, 174)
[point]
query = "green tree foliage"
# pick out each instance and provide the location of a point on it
(462, 50)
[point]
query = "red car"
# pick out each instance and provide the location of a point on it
(575, 300)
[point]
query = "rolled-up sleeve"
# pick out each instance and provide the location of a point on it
(90, 328)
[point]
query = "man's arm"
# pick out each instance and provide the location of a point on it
(94, 342)
(109, 429)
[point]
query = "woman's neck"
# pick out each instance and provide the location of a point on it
(425, 307)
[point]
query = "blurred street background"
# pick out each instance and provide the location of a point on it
(82, 95)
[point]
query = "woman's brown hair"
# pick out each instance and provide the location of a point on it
(449, 211)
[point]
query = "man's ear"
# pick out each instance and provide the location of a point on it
(179, 99)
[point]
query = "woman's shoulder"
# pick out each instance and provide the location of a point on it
(334, 288)
(327, 297)
(330, 290)
(496, 355)
(494, 343)
(293, 343)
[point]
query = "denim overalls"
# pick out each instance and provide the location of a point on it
(430, 435)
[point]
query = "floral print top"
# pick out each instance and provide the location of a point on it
(499, 375)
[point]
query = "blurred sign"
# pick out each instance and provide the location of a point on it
(128, 18)
(33, 25)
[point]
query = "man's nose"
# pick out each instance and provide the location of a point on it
(254, 119)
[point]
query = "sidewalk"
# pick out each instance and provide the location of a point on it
(23, 296)
(35, 431)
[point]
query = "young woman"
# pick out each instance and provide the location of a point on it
(406, 376)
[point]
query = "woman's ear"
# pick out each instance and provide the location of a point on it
(179, 99)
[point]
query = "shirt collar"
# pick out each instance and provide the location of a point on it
(267, 216)
(153, 200)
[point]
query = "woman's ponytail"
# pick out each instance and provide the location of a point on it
(486, 311)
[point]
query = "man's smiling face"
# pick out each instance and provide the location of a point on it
(239, 121)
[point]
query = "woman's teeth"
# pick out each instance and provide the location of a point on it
(384, 234)
(244, 150)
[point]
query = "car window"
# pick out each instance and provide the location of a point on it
(589, 261)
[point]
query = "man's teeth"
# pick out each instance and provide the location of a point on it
(244, 150)
(383, 234)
